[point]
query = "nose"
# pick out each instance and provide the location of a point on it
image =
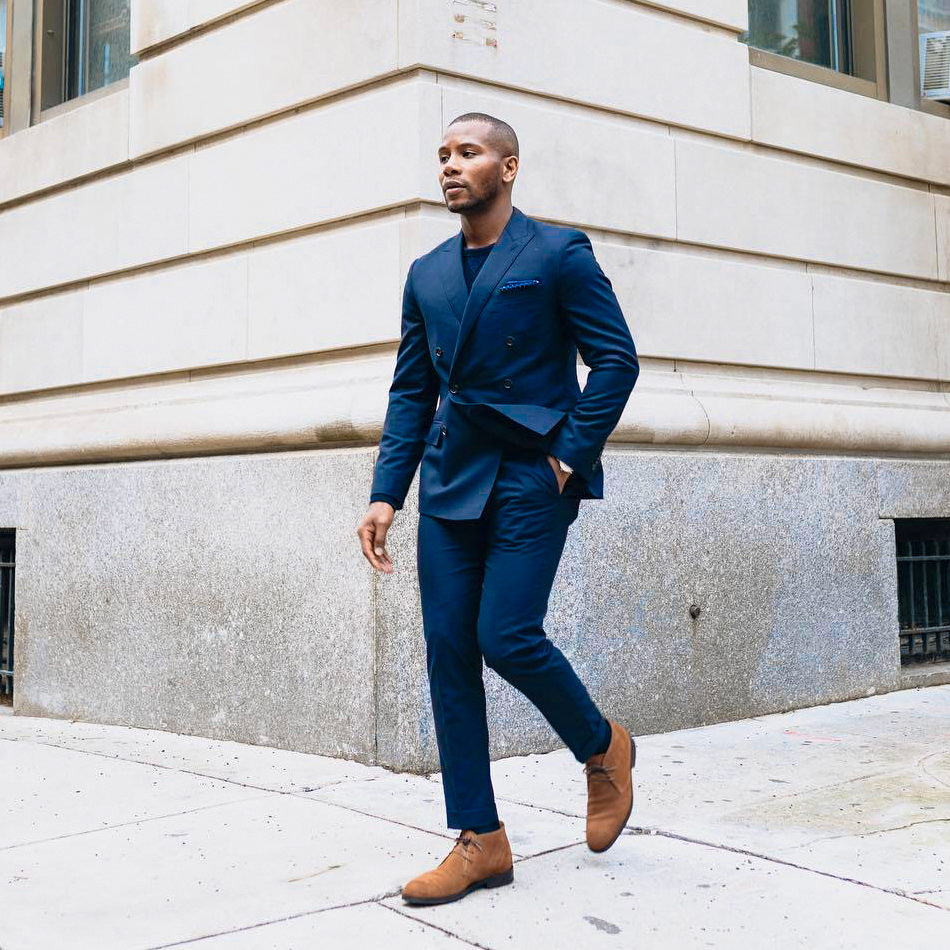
(450, 168)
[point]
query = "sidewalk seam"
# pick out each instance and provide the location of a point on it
(895, 892)
(276, 920)
(428, 923)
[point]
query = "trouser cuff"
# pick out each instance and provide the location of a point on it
(471, 817)
(594, 743)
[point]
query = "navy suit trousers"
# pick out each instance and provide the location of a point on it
(484, 585)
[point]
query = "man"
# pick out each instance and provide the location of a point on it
(492, 320)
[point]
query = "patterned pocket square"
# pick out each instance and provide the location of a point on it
(517, 284)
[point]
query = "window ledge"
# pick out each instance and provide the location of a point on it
(806, 70)
(85, 99)
(925, 674)
(935, 108)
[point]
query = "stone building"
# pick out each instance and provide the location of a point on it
(207, 212)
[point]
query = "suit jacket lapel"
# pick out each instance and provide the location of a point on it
(512, 241)
(453, 277)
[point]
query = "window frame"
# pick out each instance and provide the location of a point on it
(7, 71)
(38, 114)
(924, 104)
(876, 88)
(8, 538)
(896, 42)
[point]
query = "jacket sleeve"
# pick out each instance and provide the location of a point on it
(597, 325)
(412, 401)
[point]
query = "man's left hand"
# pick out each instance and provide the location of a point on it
(562, 477)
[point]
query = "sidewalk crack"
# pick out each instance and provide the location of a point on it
(428, 923)
(866, 834)
(275, 920)
(126, 824)
(895, 891)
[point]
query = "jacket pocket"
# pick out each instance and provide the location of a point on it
(537, 418)
(434, 435)
(551, 476)
(519, 284)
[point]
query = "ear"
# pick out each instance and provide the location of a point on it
(510, 168)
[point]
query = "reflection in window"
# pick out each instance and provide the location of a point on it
(933, 15)
(814, 31)
(97, 44)
(3, 60)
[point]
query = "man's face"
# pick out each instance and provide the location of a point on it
(471, 172)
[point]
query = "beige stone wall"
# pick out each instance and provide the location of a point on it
(212, 257)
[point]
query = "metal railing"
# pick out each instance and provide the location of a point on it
(923, 589)
(7, 558)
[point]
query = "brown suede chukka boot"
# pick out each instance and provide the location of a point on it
(610, 788)
(475, 861)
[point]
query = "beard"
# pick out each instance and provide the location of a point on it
(473, 201)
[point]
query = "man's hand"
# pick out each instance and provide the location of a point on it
(372, 534)
(562, 477)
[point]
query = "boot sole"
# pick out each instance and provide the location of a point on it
(623, 824)
(494, 880)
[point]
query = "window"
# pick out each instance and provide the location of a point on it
(933, 16)
(6, 616)
(923, 588)
(85, 46)
(837, 42)
(815, 31)
(5, 26)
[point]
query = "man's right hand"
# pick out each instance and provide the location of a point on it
(372, 531)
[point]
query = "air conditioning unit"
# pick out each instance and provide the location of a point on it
(935, 65)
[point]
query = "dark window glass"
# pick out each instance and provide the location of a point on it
(3, 58)
(923, 588)
(933, 15)
(814, 31)
(7, 609)
(97, 45)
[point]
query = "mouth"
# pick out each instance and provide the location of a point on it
(451, 190)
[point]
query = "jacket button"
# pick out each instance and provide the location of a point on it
(443, 430)
(438, 351)
(454, 388)
(509, 340)
(507, 384)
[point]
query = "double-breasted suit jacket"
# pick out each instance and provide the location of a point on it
(498, 365)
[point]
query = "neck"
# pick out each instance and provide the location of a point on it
(485, 227)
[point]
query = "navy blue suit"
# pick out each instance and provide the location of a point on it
(485, 387)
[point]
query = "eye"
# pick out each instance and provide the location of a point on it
(468, 151)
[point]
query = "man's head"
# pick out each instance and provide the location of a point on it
(479, 155)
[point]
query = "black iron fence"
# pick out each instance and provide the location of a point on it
(923, 588)
(7, 558)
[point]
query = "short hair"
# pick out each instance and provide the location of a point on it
(501, 135)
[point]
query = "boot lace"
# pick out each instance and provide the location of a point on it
(600, 773)
(465, 840)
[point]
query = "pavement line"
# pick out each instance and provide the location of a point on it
(637, 830)
(428, 923)
(369, 814)
(184, 771)
(297, 793)
(126, 824)
(896, 892)
(540, 854)
(865, 834)
(276, 920)
(923, 768)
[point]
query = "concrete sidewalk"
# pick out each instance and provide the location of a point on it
(826, 827)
